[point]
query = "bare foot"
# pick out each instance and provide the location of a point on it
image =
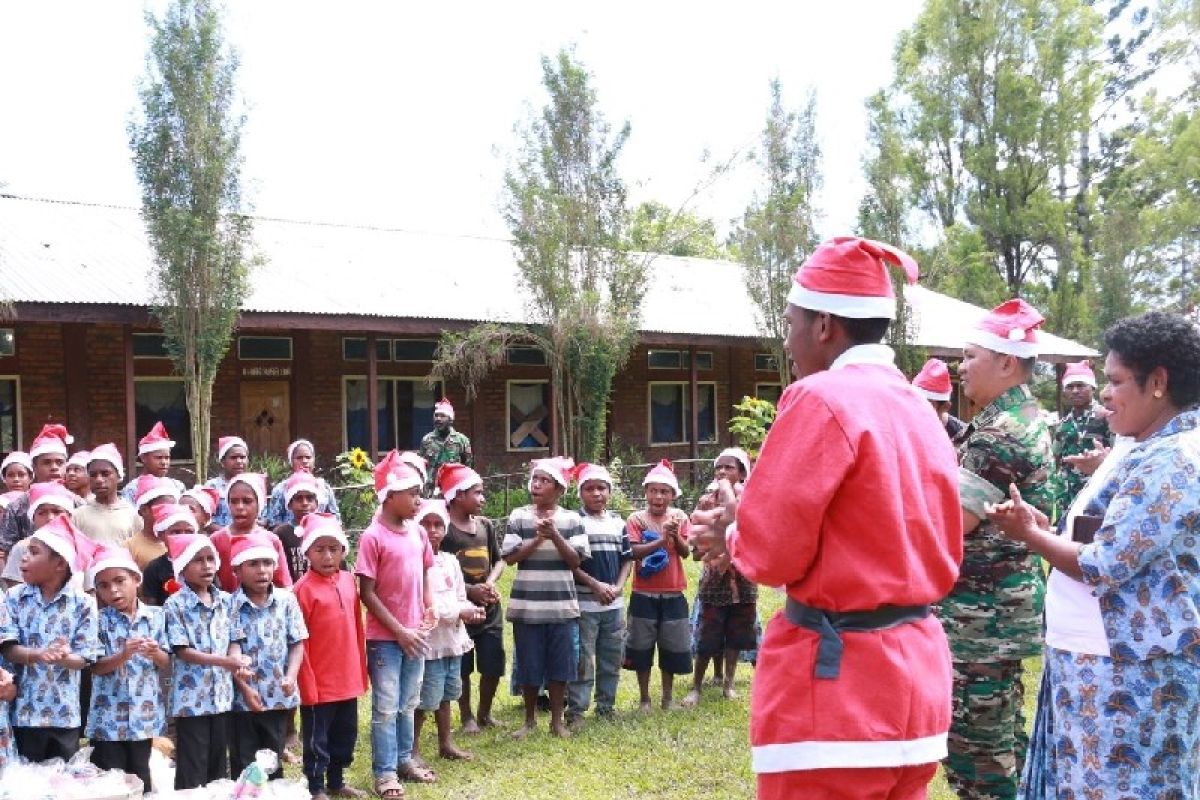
(575, 724)
(560, 730)
(451, 753)
(522, 732)
(728, 692)
(420, 762)
(716, 680)
(693, 697)
(470, 727)
(490, 722)
(645, 707)
(669, 704)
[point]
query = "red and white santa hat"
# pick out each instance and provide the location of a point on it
(321, 525)
(435, 508)
(184, 547)
(454, 478)
(291, 448)
(1010, 328)
(19, 457)
(1079, 372)
(663, 473)
(61, 536)
(585, 472)
(50, 493)
(79, 459)
(167, 515)
(157, 439)
(255, 480)
(443, 407)
(737, 454)
(207, 496)
(109, 452)
(53, 438)
(110, 557)
(392, 474)
(848, 277)
(560, 469)
(933, 381)
(227, 443)
(300, 482)
(150, 487)
(415, 461)
(251, 547)
(7, 498)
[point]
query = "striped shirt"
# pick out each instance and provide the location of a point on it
(544, 588)
(609, 544)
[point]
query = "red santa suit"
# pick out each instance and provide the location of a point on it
(853, 507)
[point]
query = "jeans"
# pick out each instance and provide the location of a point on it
(395, 689)
(601, 650)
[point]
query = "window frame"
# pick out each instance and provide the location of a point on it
(18, 433)
(13, 333)
(162, 379)
(685, 409)
(164, 357)
(758, 389)
(508, 356)
(508, 447)
(768, 368)
(242, 337)
(396, 359)
(389, 378)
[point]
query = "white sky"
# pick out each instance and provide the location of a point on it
(401, 114)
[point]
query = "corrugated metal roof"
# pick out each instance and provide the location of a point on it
(57, 252)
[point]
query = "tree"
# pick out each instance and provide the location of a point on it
(565, 205)
(778, 229)
(186, 151)
(655, 228)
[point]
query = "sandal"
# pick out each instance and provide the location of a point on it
(415, 773)
(389, 788)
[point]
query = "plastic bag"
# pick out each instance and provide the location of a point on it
(255, 776)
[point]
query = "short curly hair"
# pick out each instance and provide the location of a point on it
(1157, 339)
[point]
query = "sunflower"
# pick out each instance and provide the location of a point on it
(358, 459)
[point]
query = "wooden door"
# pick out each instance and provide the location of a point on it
(265, 416)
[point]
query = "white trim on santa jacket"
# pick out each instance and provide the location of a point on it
(791, 756)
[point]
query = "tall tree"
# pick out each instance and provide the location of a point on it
(655, 228)
(778, 228)
(186, 151)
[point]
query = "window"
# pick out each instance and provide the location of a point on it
(678, 359)
(526, 356)
(150, 345)
(10, 414)
(164, 399)
(354, 348)
(671, 417)
(8, 342)
(528, 415)
(414, 349)
(768, 391)
(265, 348)
(766, 362)
(404, 405)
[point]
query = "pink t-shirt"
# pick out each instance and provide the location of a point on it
(396, 561)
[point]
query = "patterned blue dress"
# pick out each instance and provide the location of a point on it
(1125, 727)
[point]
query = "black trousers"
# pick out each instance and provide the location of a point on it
(329, 732)
(201, 754)
(40, 744)
(132, 757)
(251, 731)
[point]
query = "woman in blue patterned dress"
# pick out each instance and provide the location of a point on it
(1124, 725)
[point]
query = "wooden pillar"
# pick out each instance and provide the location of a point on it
(75, 374)
(695, 401)
(372, 399)
(131, 432)
(301, 386)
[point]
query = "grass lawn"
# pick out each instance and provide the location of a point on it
(679, 755)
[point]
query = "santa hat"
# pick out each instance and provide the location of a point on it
(110, 453)
(157, 439)
(454, 478)
(559, 468)
(183, 547)
(19, 457)
(737, 454)
(663, 473)
(297, 483)
(255, 480)
(226, 443)
(207, 496)
(251, 547)
(392, 474)
(849, 277)
(168, 514)
(150, 487)
(291, 448)
(321, 525)
(1079, 372)
(61, 536)
(52, 439)
(1009, 328)
(933, 381)
(50, 493)
(585, 472)
(7, 498)
(415, 461)
(109, 557)
(79, 459)
(435, 508)
(443, 407)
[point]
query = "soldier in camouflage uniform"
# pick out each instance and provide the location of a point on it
(443, 444)
(1082, 429)
(993, 616)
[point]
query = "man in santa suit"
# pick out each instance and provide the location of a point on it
(853, 507)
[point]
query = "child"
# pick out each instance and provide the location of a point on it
(48, 457)
(106, 517)
(17, 471)
(658, 613)
(302, 456)
(234, 456)
(547, 542)
(45, 502)
(127, 701)
(333, 674)
(51, 636)
(203, 663)
(158, 578)
(414, 460)
(203, 502)
(154, 454)
(393, 562)
(442, 683)
(75, 476)
(473, 540)
(8, 693)
(600, 584)
(269, 629)
(244, 496)
(300, 493)
(151, 492)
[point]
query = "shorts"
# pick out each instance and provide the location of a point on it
(728, 627)
(487, 655)
(442, 682)
(545, 653)
(659, 620)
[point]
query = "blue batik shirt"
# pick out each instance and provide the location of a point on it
(222, 517)
(277, 512)
(197, 690)
(48, 694)
(8, 751)
(127, 703)
(265, 633)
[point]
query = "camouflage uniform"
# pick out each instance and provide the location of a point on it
(1077, 433)
(436, 449)
(993, 616)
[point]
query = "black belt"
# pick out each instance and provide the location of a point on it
(830, 624)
